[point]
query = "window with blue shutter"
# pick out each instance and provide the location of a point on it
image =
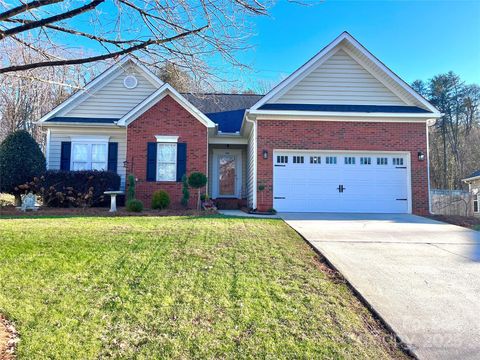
(112, 156)
(65, 153)
(181, 160)
(151, 161)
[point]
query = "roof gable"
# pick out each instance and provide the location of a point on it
(106, 96)
(349, 60)
(340, 79)
(158, 95)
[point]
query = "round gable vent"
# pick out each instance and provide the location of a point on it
(130, 81)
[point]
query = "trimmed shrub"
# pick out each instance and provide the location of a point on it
(73, 188)
(20, 161)
(160, 200)
(197, 180)
(131, 187)
(185, 192)
(134, 205)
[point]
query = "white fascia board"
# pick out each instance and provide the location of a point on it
(469, 180)
(158, 95)
(299, 74)
(337, 116)
(77, 124)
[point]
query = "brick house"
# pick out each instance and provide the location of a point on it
(343, 133)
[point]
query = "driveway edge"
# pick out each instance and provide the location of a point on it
(403, 345)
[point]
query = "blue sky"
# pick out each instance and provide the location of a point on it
(416, 39)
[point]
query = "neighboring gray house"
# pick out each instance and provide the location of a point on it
(473, 182)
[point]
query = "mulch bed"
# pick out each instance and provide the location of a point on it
(8, 339)
(12, 211)
(468, 222)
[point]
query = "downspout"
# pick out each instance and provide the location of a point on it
(429, 122)
(254, 185)
(47, 149)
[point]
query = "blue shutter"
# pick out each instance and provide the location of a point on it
(181, 160)
(65, 152)
(151, 161)
(112, 156)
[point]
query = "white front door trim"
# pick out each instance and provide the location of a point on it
(238, 173)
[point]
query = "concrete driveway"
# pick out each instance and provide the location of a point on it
(419, 275)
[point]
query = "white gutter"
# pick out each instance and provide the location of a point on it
(298, 113)
(473, 178)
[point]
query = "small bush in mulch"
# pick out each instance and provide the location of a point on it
(134, 205)
(465, 221)
(160, 200)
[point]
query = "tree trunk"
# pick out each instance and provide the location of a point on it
(199, 202)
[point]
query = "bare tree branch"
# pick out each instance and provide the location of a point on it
(51, 19)
(111, 55)
(76, 32)
(26, 7)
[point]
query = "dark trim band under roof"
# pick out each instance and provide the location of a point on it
(82, 120)
(346, 108)
(475, 174)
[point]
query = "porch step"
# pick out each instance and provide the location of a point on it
(230, 204)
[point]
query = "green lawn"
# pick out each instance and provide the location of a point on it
(173, 287)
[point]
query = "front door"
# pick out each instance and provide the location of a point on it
(227, 176)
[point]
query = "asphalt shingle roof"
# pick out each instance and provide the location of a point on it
(475, 174)
(226, 110)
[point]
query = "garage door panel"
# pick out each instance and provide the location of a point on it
(369, 185)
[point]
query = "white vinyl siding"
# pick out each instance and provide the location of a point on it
(57, 135)
(113, 100)
(340, 80)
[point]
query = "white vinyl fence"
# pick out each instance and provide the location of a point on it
(451, 202)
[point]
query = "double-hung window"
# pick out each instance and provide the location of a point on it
(166, 158)
(89, 154)
(476, 203)
(166, 161)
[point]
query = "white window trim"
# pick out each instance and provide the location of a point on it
(166, 139)
(476, 199)
(90, 138)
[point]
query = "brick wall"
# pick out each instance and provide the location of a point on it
(330, 135)
(167, 117)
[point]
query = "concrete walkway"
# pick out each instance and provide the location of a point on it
(244, 214)
(419, 275)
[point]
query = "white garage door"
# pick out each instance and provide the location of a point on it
(314, 181)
